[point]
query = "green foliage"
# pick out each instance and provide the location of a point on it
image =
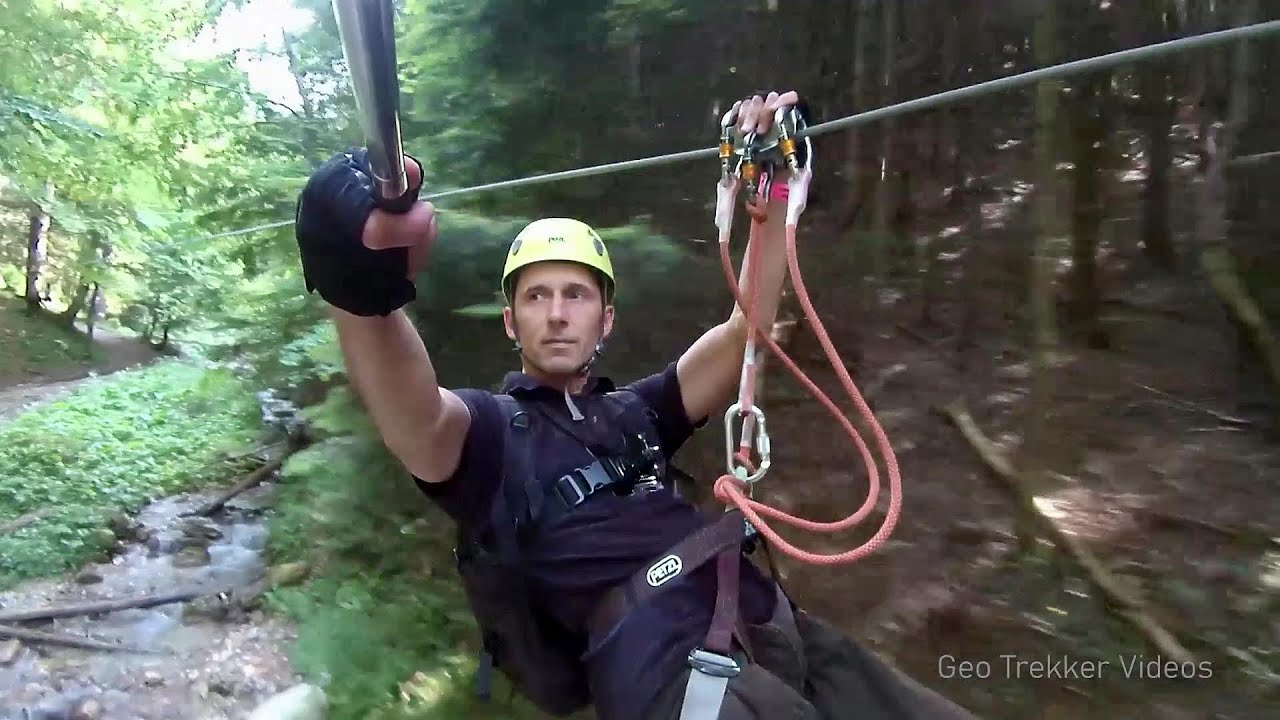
(466, 265)
(314, 355)
(40, 116)
(115, 444)
(650, 266)
(184, 149)
(382, 602)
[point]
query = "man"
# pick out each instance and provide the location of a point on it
(459, 446)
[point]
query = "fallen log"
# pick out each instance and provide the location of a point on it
(248, 481)
(1220, 268)
(245, 454)
(1120, 600)
(102, 606)
(918, 336)
(1193, 407)
(48, 638)
(1251, 535)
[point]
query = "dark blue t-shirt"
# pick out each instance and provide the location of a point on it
(576, 559)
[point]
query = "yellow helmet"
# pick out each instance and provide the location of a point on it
(563, 239)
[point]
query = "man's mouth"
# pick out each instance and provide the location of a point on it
(558, 342)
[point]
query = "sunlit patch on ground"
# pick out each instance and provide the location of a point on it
(1090, 515)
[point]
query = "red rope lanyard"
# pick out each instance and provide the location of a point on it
(742, 471)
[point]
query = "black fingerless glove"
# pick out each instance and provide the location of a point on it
(331, 213)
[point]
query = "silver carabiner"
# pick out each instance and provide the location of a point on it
(762, 444)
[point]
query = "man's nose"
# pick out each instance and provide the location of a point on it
(558, 307)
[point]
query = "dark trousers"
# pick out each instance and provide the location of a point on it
(802, 668)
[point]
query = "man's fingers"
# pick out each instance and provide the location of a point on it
(756, 112)
(412, 171)
(389, 230)
(764, 113)
(790, 97)
(750, 111)
(418, 252)
(776, 101)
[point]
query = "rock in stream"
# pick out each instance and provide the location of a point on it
(205, 660)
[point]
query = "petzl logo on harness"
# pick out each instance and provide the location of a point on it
(663, 570)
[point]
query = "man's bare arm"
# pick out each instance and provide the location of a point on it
(710, 369)
(421, 423)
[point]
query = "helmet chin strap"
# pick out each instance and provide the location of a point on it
(582, 371)
(585, 367)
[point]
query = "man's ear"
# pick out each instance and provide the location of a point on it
(607, 321)
(509, 322)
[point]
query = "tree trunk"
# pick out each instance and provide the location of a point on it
(880, 250)
(1088, 112)
(153, 319)
(310, 135)
(78, 301)
(857, 180)
(1157, 121)
(1256, 343)
(95, 309)
(1040, 290)
(944, 161)
(37, 237)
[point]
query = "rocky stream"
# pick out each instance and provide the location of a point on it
(201, 649)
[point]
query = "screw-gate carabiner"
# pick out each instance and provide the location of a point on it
(748, 169)
(727, 170)
(762, 444)
(786, 136)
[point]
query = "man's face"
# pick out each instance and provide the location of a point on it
(557, 315)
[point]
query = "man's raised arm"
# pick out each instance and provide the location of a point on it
(421, 423)
(710, 369)
(362, 261)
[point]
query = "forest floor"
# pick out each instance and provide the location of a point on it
(1149, 468)
(40, 362)
(202, 657)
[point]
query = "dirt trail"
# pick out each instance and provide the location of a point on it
(114, 352)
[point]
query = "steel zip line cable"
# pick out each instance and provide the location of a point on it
(969, 92)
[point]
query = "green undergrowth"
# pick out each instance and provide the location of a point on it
(115, 444)
(32, 343)
(382, 622)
